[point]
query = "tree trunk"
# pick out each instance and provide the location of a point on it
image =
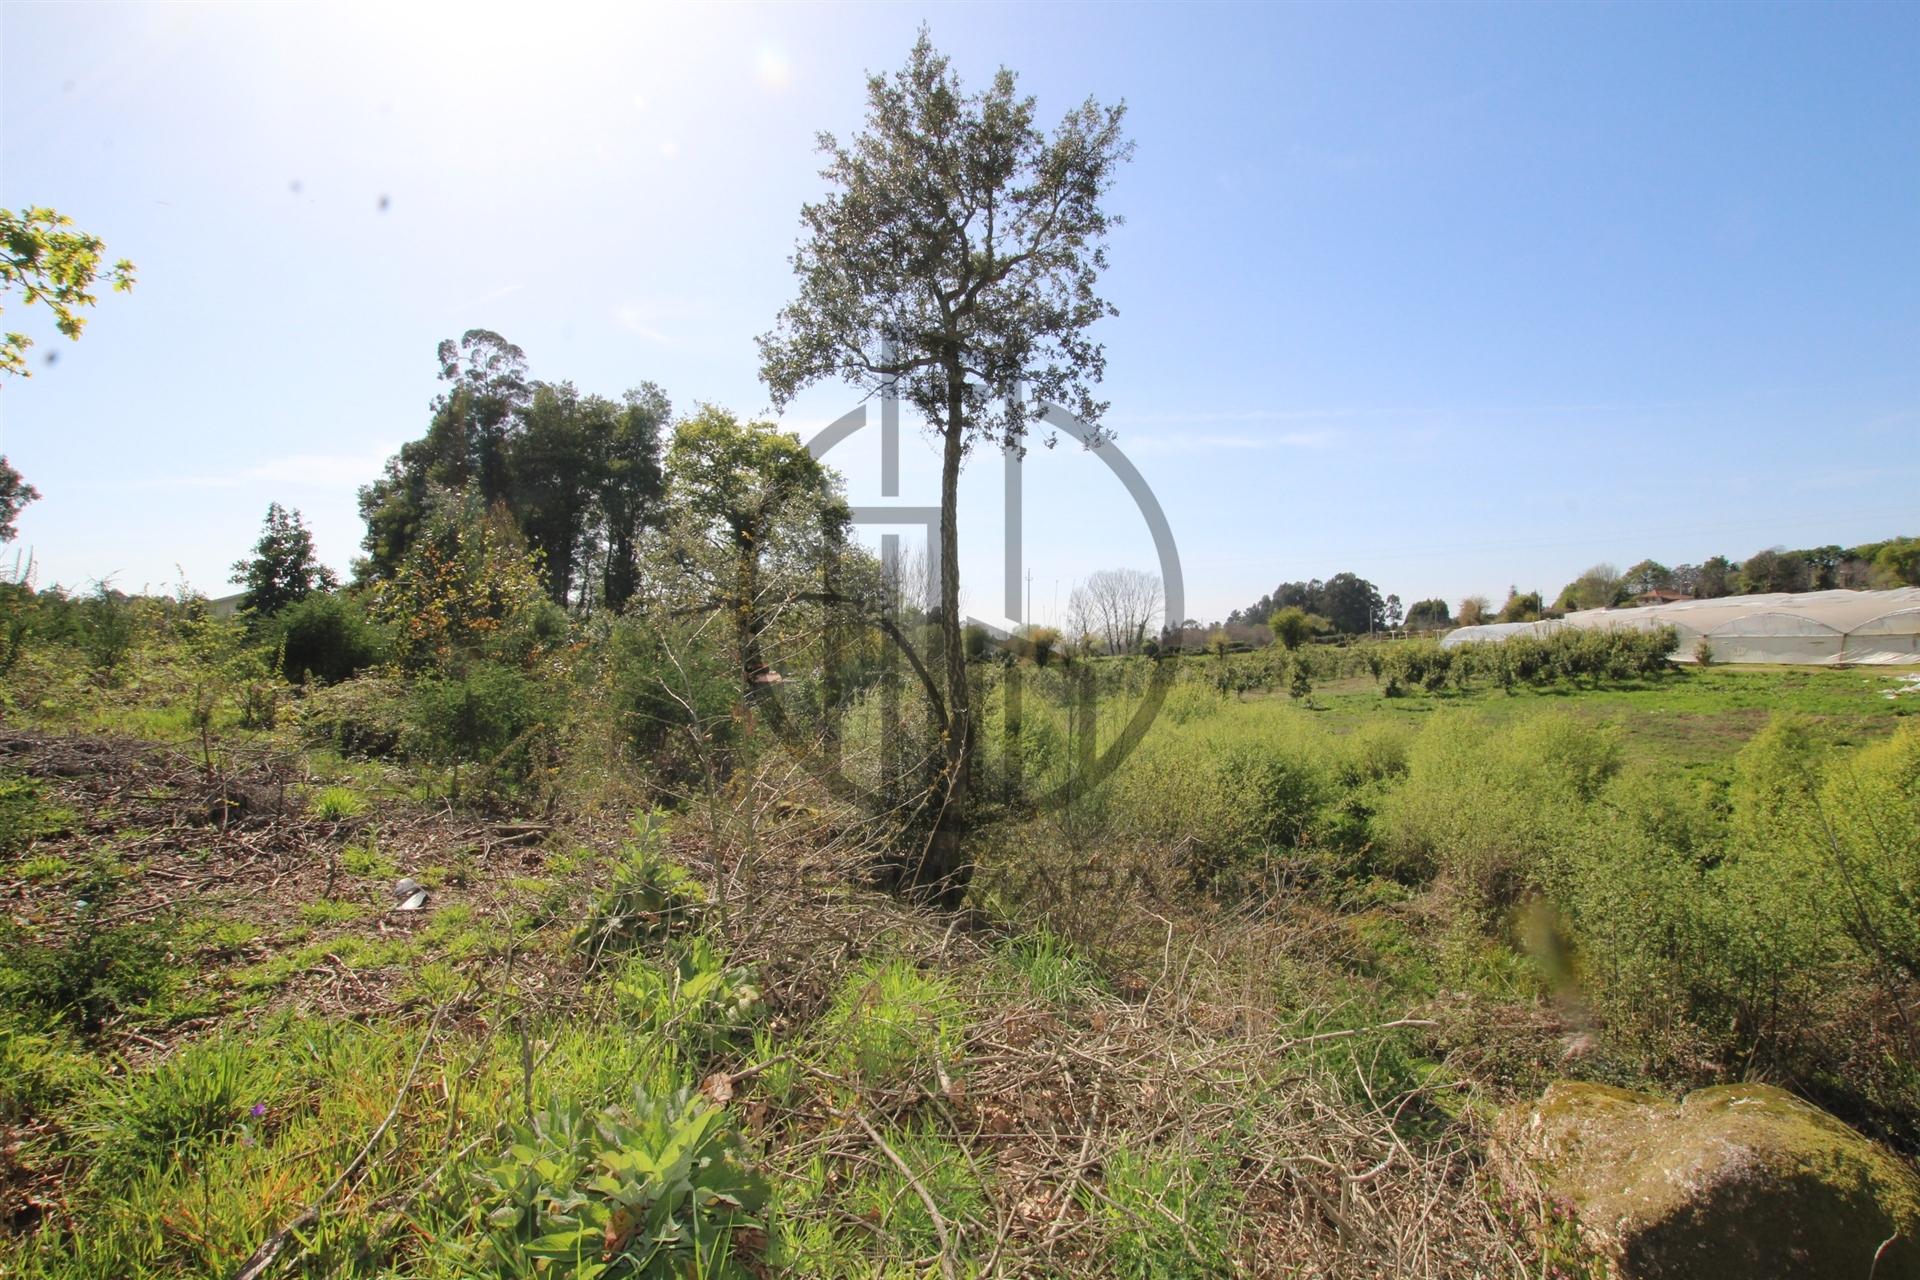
(943, 874)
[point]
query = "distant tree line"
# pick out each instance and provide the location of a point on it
(1347, 604)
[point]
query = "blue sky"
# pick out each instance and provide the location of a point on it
(1455, 297)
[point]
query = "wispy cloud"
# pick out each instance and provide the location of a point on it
(638, 320)
(327, 471)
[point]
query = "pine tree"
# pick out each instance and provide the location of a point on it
(284, 568)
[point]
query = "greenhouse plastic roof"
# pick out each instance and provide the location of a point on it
(1828, 628)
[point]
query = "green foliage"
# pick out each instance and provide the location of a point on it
(43, 1062)
(47, 263)
(1521, 606)
(673, 690)
(15, 494)
(107, 629)
(1169, 1218)
(284, 568)
(98, 972)
(467, 587)
(577, 476)
(657, 1188)
(489, 714)
(692, 997)
(188, 1102)
(25, 814)
(1346, 603)
(648, 898)
(1486, 809)
(328, 636)
(1299, 681)
(364, 716)
(889, 1023)
(1049, 966)
(1291, 627)
(336, 804)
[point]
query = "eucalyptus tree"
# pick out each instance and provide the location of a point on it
(955, 261)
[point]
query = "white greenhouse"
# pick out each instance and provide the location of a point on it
(1814, 628)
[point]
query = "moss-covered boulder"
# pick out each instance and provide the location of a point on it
(1738, 1180)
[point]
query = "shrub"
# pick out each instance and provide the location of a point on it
(1225, 791)
(467, 587)
(107, 629)
(1291, 627)
(674, 689)
(364, 716)
(490, 715)
(99, 972)
(327, 636)
(1299, 682)
(1485, 806)
(337, 804)
(25, 815)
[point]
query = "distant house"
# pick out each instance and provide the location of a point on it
(1660, 595)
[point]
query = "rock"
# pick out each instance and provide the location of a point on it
(1737, 1180)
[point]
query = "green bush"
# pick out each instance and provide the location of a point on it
(693, 997)
(674, 689)
(489, 715)
(98, 972)
(889, 1023)
(365, 716)
(25, 816)
(1486, 806)
(327, 636)
(108, 629)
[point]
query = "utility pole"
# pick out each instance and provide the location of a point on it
(1029, 617)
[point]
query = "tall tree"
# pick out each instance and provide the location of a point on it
(741, 494)
(554, 468)
(466, 446)
(1774, 569)
(1597, 588)
(1648, 575)
(1117, 606)
(956, 260)
(284, 567)
(631, 484)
